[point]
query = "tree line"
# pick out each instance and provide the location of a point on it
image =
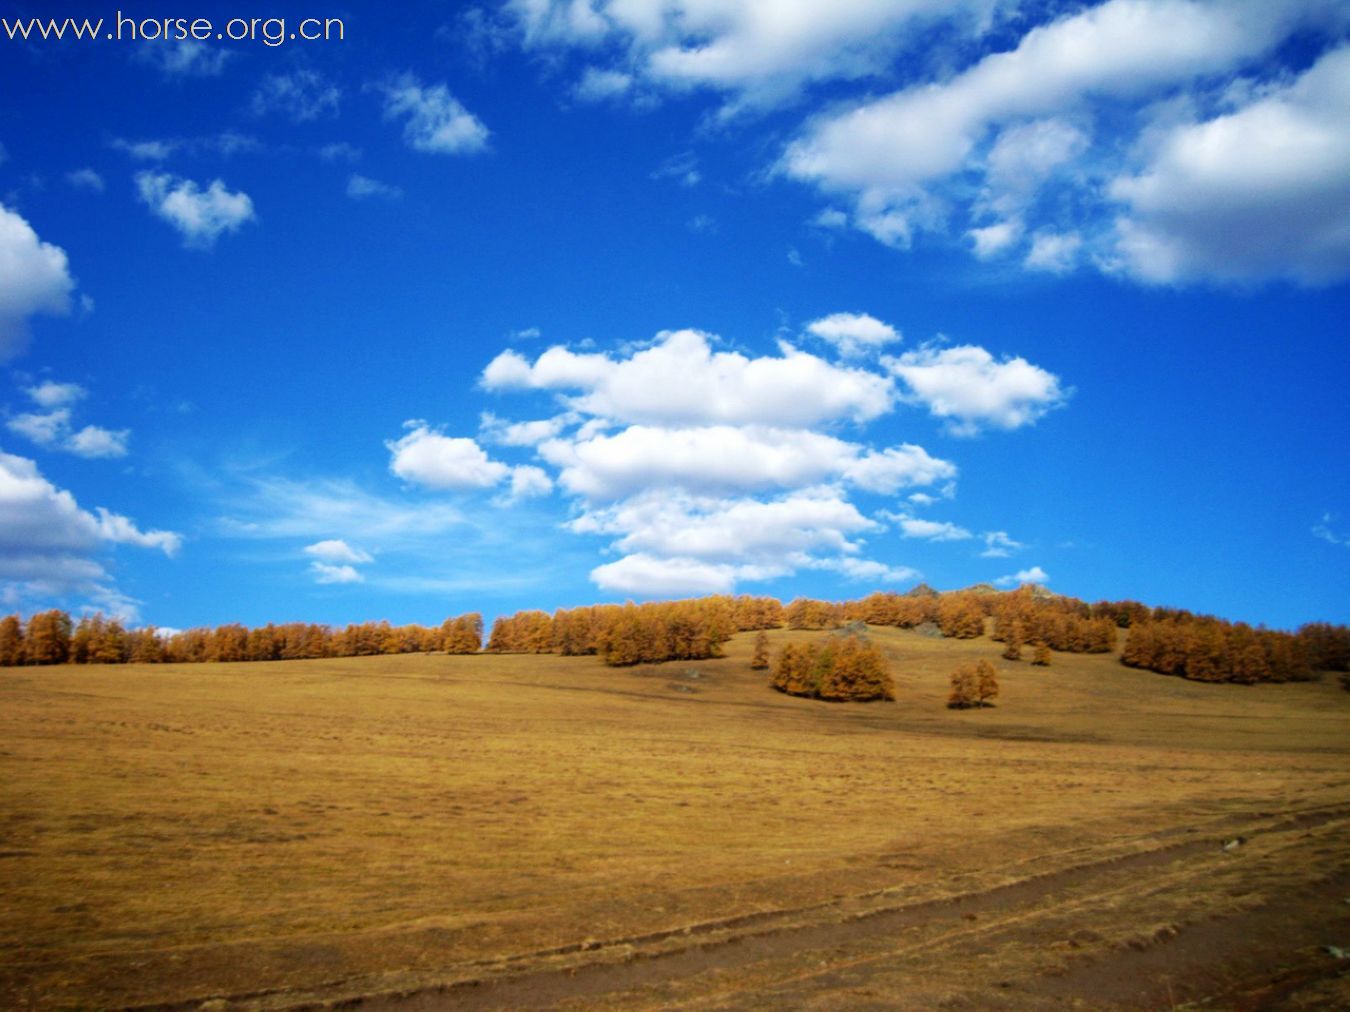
(1167, 640)
(624, 634)
(52, 637)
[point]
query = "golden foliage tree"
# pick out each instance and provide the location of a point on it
(760, 660)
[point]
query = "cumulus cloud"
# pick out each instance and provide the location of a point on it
(324, 572)
(34, 278)
(1258, 193)
(52, 428)
(51, 549)
(663, 522)
(335, 550)
(93, 441)
(756, 54)
(681, 380)
(200, 215)
(528, 482)
(853, 334)
(427, 457)
(651, 576)
(703, 469)
(301, 95)
(1047, 113)
(972, 390)
(724, 459)
(51, 394)
(1035, 575)
(434, 120)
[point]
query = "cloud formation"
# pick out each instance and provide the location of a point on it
(434, 121)
(971, 390)
(1133, 136)
(51, 549)
(34, 279)
(201, 216)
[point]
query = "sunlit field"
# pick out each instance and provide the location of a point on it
(470, 831)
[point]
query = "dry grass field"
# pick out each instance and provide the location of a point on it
(424, 832)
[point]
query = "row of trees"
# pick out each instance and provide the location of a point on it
(637, 633)
(839, 668)
(1211, 650)
(52, 637)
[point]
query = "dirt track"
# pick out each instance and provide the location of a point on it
(1233, 927)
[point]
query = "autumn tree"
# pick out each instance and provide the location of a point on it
(1012, 650)
(760, 660)
(11, 641)
(47, 638)
(972, 686)
(1041, 656)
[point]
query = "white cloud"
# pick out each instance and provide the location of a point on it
(430, 458)
(869, 571)
(186, 58)
(201, 216)
(123, 531)
(598, 85)
(287, 508)
(1021, 120)
(747, 531)
(93, 441)
(931, 530)
(360, 187)
(648, 576)
(528, 482)
(896, 468)
(998, 545)
(757, 54)
(1054, 253)
(1262, 192)
(531, 433)
(86, 179)
(335, 550)
(34, 278)
(435, 120)
(49, 546)
(52, 428)
(302, 95)
(723, 459)
(1035, 575)
(991, 240)
(680, 380)
(853, 334)
(44, 428)
(50, 394)
(706, 469)
(970, 389)
(323, 572)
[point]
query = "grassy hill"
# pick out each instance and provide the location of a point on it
(322, 830)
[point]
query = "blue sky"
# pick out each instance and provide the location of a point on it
(544, 303)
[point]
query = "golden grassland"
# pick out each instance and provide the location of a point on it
(280, 833)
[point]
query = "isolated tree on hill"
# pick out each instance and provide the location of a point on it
(986, 683)
(1012, 650)
(760, 660)
(963, 689)
(1041, 656)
